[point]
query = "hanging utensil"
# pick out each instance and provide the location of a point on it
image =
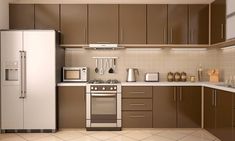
(101, 67)
(111, 65)
(96, 65)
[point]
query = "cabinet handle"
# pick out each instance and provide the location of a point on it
(215, 98)
(137, 116)
(137, 104)
(181, 97)
(222, 31)
(171, 35)
(136, 92)
(174, 96)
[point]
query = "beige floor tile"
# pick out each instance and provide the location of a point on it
(172, 134)
(121, 138)
(12, 138)
(68, 135)
(85, 138)
(157, 138)
(104, 135)
(33, 136)
(204, 134)
(49, 138)
(195, 138)
(186, 131)
(7, 135)
(138, 135)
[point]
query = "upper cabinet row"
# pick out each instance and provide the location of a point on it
(123, 24)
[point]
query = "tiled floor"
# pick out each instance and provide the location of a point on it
(125, 135)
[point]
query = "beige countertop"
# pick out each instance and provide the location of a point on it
(203, 84)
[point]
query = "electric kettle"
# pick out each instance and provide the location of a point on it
(132, 74)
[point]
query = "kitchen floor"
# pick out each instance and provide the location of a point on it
(125, 135)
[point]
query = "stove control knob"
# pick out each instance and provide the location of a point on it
(115, 88)
(92, 88)
(95, 88)
(103, 88)
(111, 88)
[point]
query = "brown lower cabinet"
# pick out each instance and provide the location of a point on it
(71, 107)
(218, 113)
(177, 107)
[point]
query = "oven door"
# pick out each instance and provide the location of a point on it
(104, 107)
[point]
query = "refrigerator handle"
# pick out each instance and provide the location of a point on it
(21, 75)
(24, 72)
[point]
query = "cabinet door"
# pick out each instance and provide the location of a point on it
(224, 115)
(164, 105)
(21, 16)
(218, 12)
(199, 24)
(73, 23)
(189, 107)
(132, 24)
(71, 101)
(156, 24)
(103, 23)
(177, 24)
(47, 16)
(209, 110)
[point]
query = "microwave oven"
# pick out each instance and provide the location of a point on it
(75, 74)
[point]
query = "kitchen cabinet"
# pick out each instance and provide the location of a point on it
(177, 24)
(198, 24)
(218, 13)
(73, 19)
(137, 107)
(21, 16)
(182, 106)
(71, 107)
(132, 24)
(103, 23)
(47, 16)
(218, 113)
(157, 24)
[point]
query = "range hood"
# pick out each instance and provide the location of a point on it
(103, 46)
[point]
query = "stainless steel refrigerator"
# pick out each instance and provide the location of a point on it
(28, 79)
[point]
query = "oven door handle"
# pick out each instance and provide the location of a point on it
(104, 92)
(103, 95)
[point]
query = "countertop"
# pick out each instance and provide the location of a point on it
(203, 84)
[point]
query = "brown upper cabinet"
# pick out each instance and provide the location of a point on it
(218, 18)
(21, 16)
(156, 24)
(177, 24)
(73, 23)
(199, 24)
(132, 24)
(47, 16)
(103, 23)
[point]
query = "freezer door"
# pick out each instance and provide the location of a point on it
(11, 103)
(40, 97)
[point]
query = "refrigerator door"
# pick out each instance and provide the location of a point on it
(11, 103)
(40, 97)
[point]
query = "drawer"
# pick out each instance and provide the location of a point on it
(137, 92)
(137, 119)
(136, 104)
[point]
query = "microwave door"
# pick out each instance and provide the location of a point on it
(72, 75)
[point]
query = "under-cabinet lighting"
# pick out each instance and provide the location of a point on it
(189, 49)
(143, 49)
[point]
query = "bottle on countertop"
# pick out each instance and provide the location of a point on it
(199, 73)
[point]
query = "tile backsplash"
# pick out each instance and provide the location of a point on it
(154, 60)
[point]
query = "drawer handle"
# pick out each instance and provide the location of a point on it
(137, 92)
(137, 116)
(137, 104)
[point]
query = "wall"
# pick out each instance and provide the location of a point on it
(146, 60)
(4, 14)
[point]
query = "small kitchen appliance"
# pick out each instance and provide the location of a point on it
(152, 77)
(75, 74)
(132, 74)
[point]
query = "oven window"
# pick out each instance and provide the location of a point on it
(72, 74)
(103, 109)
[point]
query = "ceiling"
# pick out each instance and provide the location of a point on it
(118, 1)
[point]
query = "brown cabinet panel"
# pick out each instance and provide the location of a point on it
(132, 24)
(71, 107)
(21, 16)
(177, 24)
(199, 24)
(156, 24)
(164, 107)
(136, 92)
(47, 16)
(103, 23)
(218, 17)
(73, 23)
(189, 107)
(137, 104)
(209, 110)
(224, 116)
(137, 119)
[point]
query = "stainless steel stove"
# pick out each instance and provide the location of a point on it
(103, 105)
